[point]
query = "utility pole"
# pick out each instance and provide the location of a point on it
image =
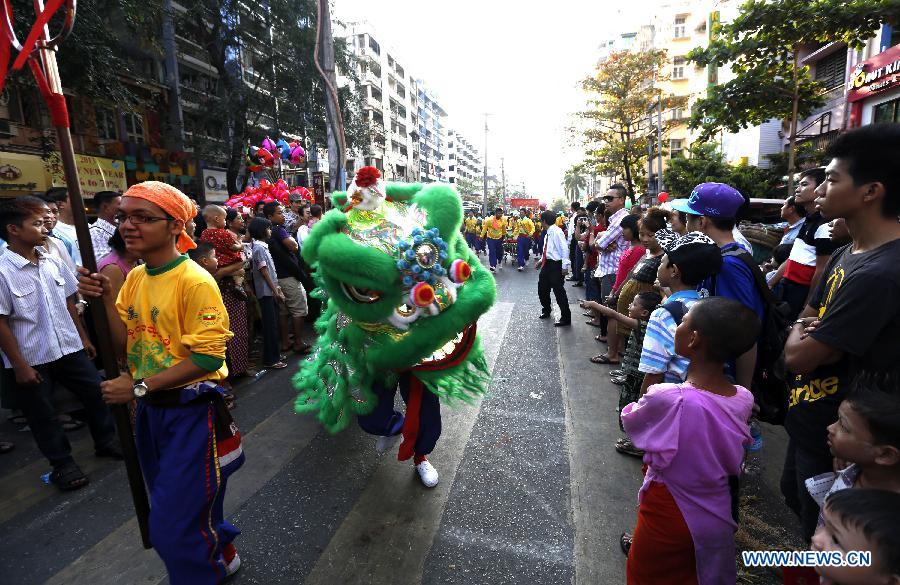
(176, 119)
(503, 181)
(659, 180)
(485, 185)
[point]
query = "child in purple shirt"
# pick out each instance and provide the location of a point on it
(693, 434)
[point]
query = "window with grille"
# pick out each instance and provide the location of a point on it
(106, 124)
(676, 147)
(678, 68)
(831, 70)
(680, 27)
(134, 127)
(677, 113)
(887, 113)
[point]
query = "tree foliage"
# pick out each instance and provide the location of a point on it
(707, 164)
(111, 39)
(620, 115)
(760, 46)
(266, 81)
(574, 182)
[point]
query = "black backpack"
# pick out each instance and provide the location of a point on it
(770, 378)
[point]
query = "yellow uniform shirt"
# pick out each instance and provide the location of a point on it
(494, 228)
(526, 227)
(174, 313)
(471, 225)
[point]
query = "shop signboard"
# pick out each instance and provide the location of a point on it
(876, 75)
(519, 203)
(95, 174)
(22, 174)
(215, 185)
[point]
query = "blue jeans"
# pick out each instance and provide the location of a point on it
(591, 288)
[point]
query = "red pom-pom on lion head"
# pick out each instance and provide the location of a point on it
(367, 177)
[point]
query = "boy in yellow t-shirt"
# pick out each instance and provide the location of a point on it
(172, 334)
(494, 230)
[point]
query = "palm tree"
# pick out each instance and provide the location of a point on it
(573, 183)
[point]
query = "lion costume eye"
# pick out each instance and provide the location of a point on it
(361, 295)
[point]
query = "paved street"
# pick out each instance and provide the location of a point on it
(531, 489)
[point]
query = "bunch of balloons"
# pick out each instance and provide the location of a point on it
(267, 191)
(263, 156)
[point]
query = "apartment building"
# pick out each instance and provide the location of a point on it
(118, 147)
(391, 106)
(433, 142)
(463, 160)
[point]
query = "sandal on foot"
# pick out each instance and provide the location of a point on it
(6, 447)
(600, 338)
(603, 359)
(618, 372)
(625, 542)
(69, 477)
(630, 450)
(592, 324)
(618, 380)
(276, 366)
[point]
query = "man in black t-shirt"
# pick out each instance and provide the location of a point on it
(850, 326)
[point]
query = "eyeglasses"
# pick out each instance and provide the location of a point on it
(609, 198)
(121, 218)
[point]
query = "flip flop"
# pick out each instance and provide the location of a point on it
(600, 338)
(625, 542)
(603, 359)
(592, 324)
(275, 366)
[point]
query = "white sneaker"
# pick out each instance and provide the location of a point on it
(427, 473)
(232, 566)
(385, 444)
(520, 269)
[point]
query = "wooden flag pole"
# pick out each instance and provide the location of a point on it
(39, 51)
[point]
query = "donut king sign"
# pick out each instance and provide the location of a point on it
(875, 75)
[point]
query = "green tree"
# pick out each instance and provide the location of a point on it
(560, 204)
(622, 98)
(707, 164)
(267, 82)
(111, 40)
(762, 47)
(574, 182)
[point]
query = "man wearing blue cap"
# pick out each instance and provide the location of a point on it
(712, 209)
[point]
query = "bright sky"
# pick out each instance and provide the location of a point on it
(518, 63)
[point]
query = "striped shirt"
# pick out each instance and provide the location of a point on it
(658, 353)
(33, 297)
(101, 231)
(609, 259)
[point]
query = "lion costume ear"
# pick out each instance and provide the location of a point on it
(443, 206)
(402, 192)
(331, 223)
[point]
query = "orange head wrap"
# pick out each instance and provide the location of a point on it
(172, 201)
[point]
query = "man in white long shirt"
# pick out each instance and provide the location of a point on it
(554, 265)
(107, 204)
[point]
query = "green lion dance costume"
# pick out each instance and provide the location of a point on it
(404, 293)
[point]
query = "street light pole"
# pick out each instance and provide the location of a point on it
(485, 182)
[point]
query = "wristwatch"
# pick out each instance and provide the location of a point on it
(140, 388)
